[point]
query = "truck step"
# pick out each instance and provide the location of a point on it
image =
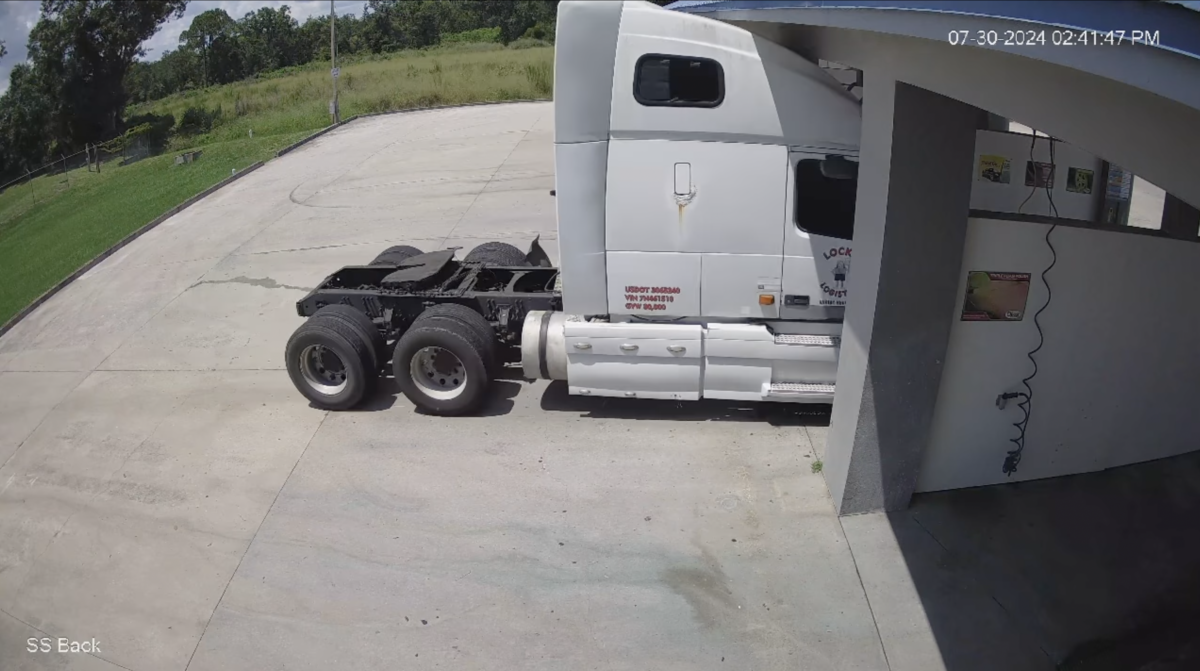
(800, 389)
(807, 340)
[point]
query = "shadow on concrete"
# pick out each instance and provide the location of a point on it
(1092, 572)
(511, 372)
(557, 399)
(499, 398)
(383, 398)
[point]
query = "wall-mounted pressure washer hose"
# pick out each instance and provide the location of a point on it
(1013, 459)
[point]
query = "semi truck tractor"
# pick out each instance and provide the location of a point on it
(705, 185)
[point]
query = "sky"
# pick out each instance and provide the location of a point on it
(17, 18)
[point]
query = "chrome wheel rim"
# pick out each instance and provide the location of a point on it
(323, 370)
(438, 372)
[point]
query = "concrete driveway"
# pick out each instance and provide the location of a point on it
(167, 493)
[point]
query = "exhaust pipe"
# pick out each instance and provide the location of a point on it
(544, 346)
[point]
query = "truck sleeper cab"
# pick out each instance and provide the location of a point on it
(705, 190)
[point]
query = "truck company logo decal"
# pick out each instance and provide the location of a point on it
(652, 299)
(835, 291)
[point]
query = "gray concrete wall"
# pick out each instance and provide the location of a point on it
(913, 200)
(1096, 404)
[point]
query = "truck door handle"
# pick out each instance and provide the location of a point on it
(684, 189)
(676, 348)
(683, 179)
(629, 348)
(582, 345)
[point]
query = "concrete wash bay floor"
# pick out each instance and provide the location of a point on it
(165, 490)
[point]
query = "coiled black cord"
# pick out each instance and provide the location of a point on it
(1014, 455)
(1013, 459)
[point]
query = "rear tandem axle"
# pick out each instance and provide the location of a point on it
(444, 325)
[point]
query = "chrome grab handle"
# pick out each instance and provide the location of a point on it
(629, 348)
(676, 348)
(582, 345)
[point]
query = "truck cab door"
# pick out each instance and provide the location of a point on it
(819, 227)
(692, 228)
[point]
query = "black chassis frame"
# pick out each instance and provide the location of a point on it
(502, 294)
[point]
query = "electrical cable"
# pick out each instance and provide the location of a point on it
(1032, 143)
(1050, 182)
(1013, 458)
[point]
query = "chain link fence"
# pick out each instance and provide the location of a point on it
(46, 181)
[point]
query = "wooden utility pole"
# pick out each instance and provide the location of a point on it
(333, 70)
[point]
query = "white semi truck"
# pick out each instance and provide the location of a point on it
(705, 183)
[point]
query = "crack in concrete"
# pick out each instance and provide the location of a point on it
(341, 245)
(265, 283)
(866, 597)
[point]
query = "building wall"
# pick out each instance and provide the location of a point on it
(908, 239)
(1119, 374)
(1015, 196)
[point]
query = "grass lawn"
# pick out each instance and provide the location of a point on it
(55, 224)
(297, 99)
(57, 229)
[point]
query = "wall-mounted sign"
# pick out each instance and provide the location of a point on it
(994, 169)
(1080, 180)
(1038, 174)
(1118, 190)
(1120, 184)
(995, 297)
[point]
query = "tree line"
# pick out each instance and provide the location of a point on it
(84, 65)
(219, 49)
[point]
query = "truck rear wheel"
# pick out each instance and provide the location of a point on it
(362, 324)
(478, 326)
(394, 255)
(330, 363)
(439, 365)
(497, 254)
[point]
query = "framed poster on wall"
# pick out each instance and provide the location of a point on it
(1080, 180)
(1040, 175)
(995, 297)
(995, 169)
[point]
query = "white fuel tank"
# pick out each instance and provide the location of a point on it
(543, 346)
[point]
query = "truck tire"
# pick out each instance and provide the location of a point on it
(440, 367)
(497, 254)
(394, 255)
(330, 363)
(362, 324)
(461, 314)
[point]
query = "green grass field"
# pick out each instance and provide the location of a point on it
(64, 228)
(53, 225)
(297, 99)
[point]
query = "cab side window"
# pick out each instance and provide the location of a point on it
(678, 81)
(826, 192)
